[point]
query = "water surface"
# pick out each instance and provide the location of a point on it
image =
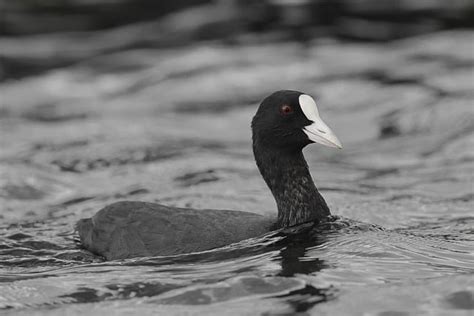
(172, 126)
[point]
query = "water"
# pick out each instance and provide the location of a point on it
(401, 241)
(280, 272)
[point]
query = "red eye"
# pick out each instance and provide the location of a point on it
(286, 109)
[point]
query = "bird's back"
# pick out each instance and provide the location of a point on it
(132, 229)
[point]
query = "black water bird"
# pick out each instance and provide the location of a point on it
(285, 122)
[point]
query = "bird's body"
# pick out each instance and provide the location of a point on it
(132, 229)
(284, 124)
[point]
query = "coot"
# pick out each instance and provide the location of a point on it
(285, 122)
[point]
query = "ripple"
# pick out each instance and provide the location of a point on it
(285, 264)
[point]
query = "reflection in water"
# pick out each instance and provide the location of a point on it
(294, 260)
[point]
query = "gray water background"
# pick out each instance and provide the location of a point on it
(172, 125)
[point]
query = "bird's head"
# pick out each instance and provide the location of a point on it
(289, 119)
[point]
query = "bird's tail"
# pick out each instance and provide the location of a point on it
(84, 229)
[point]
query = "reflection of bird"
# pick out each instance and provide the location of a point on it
(284, 124)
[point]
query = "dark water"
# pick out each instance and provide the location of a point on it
(172, 126)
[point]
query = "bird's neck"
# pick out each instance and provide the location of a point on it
(286, 174)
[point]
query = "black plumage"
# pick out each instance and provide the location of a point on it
(133, 229)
